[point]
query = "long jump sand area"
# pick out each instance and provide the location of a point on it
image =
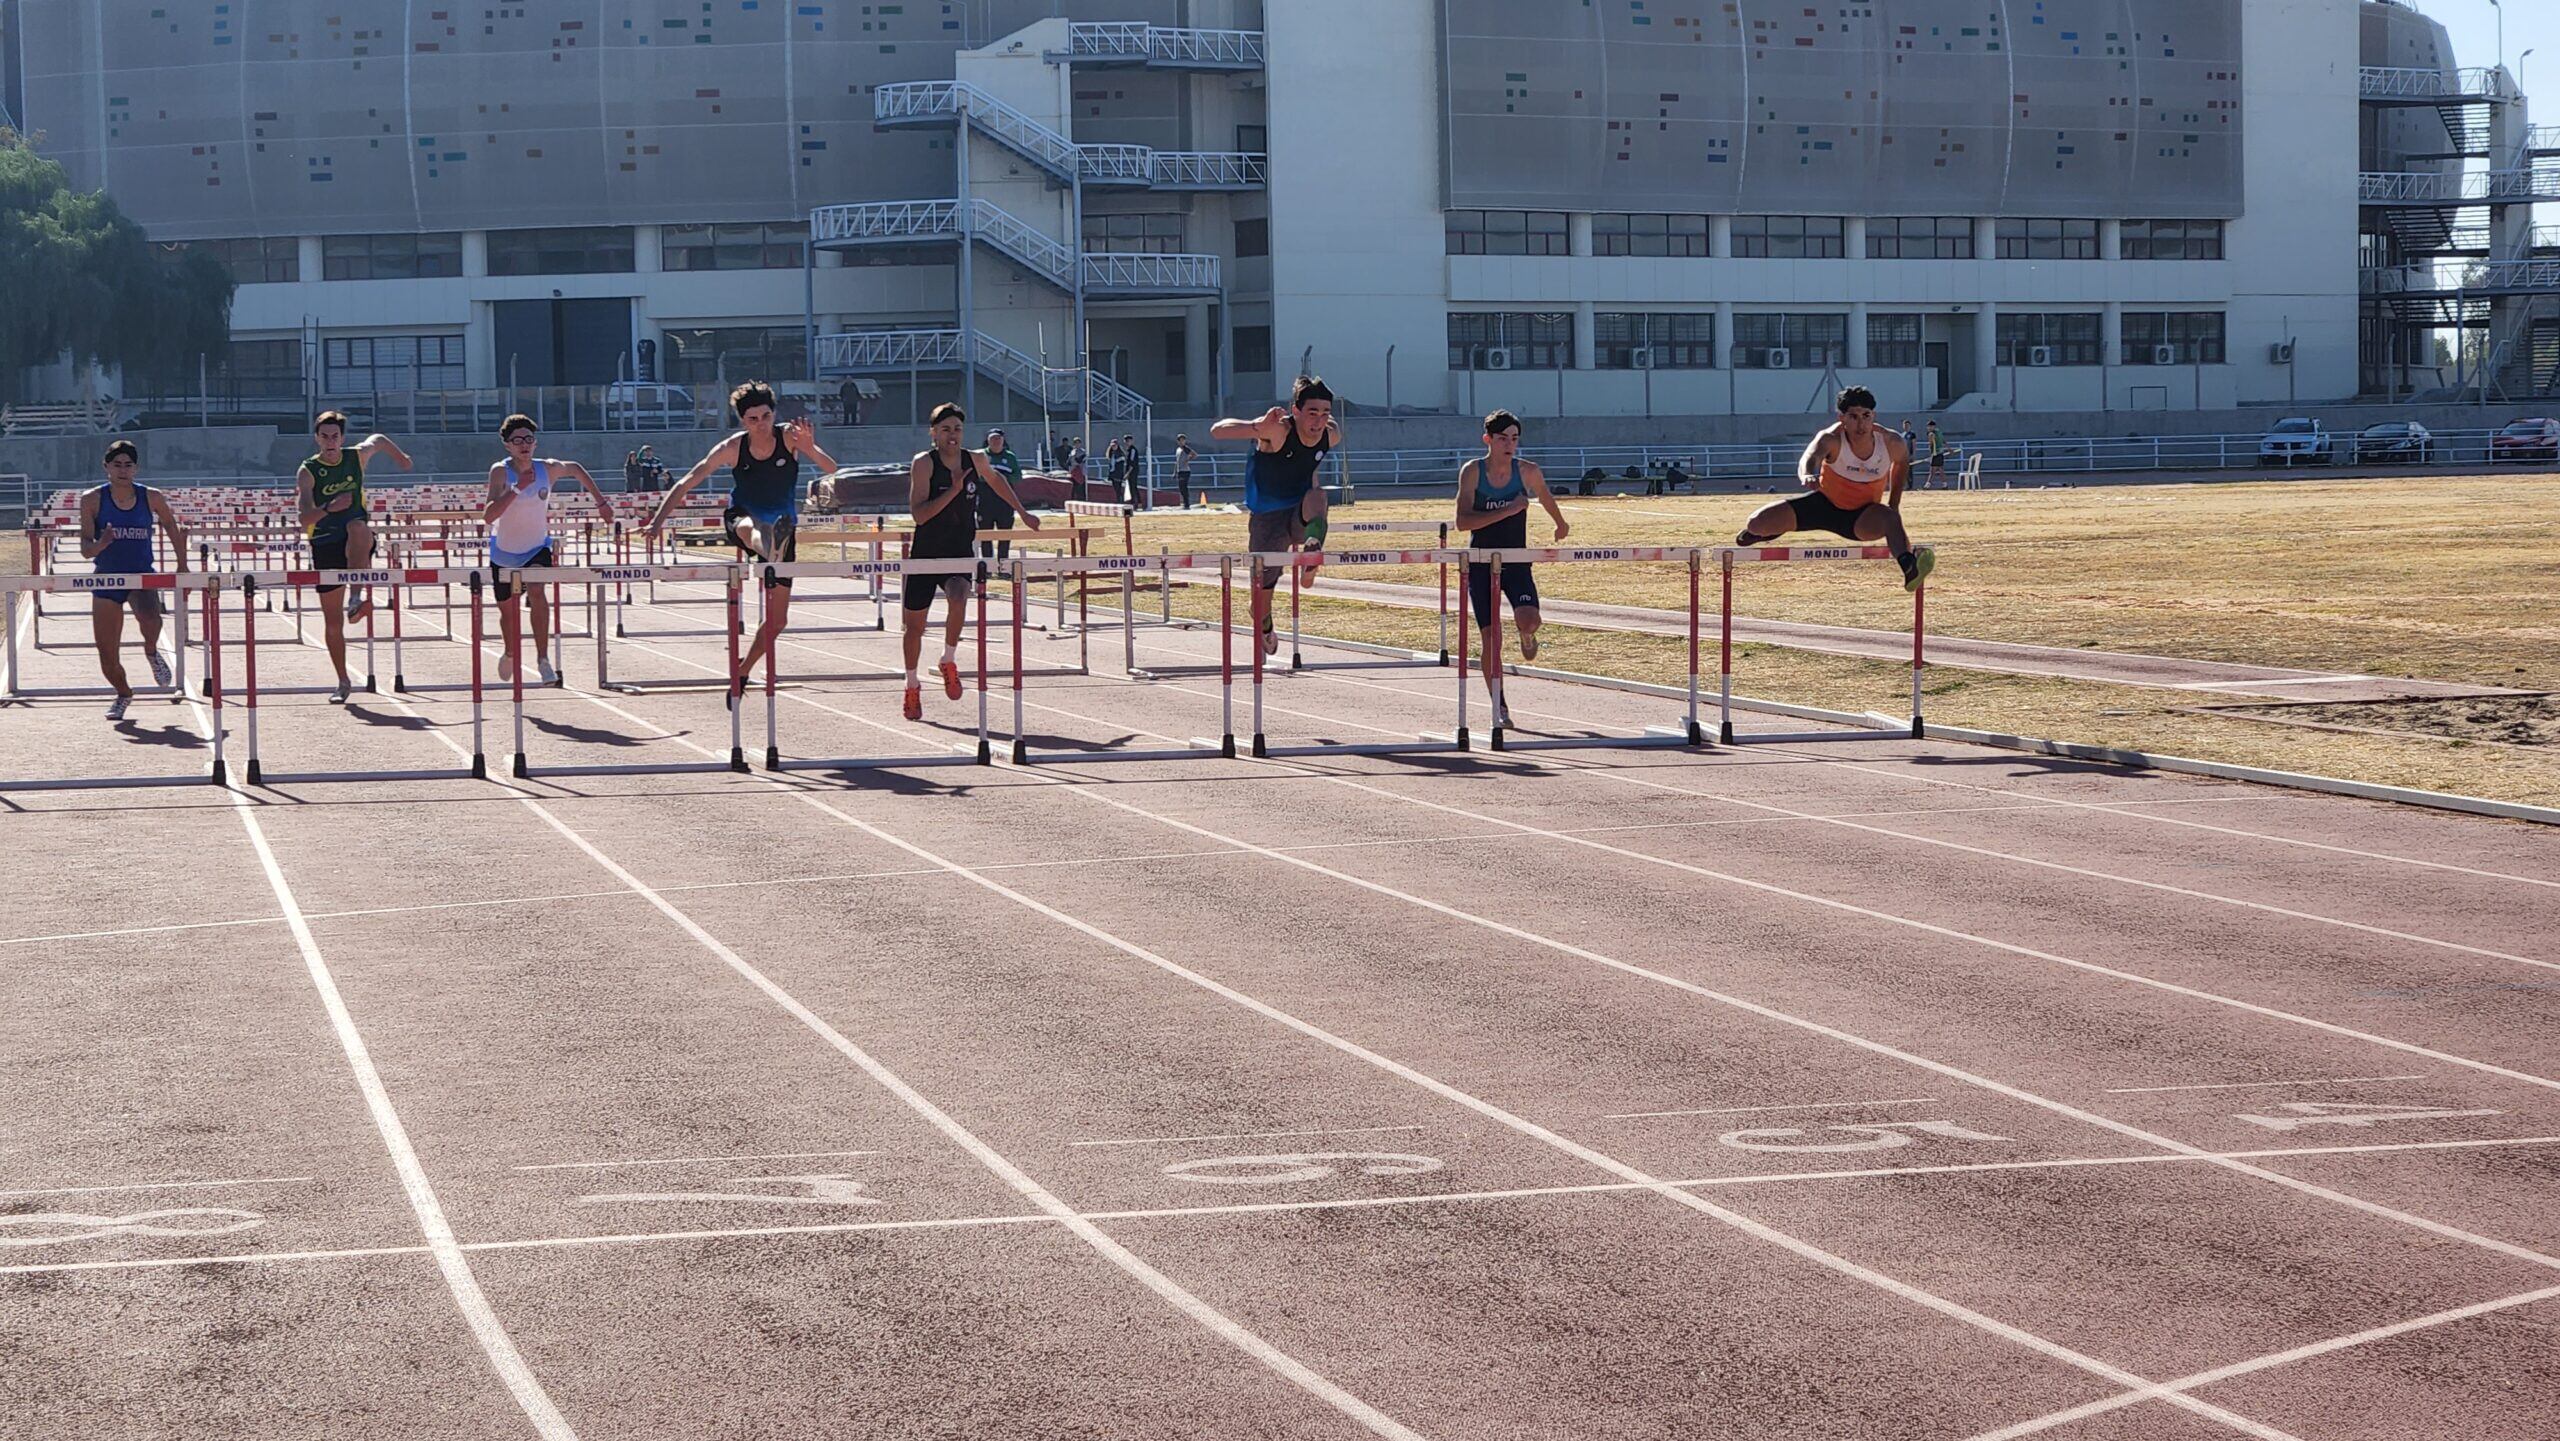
(1890, 1090)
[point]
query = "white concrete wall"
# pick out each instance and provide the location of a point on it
(1356, 229)
(2293, 255)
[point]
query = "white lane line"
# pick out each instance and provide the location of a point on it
(1756, 1229)
(1852, 823)
(1752, 1110)
(2265, 1363)
(692, 1160)
(141, 931)
(485, 1326)
(1594, 1188)
(161, 1186)
(1165, 1287)
(1247, 1136)
(2254, 1085)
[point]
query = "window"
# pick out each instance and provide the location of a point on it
(1508, 232)
(1133, 234)
(390, 257)
(1253, 139)
(2074, 338)
(602, 250)
(2048, 239)
(1253, 238)
(1789, 237)
(1678, 342)
(1253, 348)
(702, 359)
(2194, 336)
(1893, 342)
(371, 364)
(2172, 240)
(1539, 341)
(1807, 340)
(1920, 237)
(258, 260)
(1177, 353)
(1683, 235)
(260, 367)
(735, 247)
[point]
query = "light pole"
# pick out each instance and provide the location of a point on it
(2520, 59)
(2502, 32)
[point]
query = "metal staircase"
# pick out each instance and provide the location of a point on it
(918, 103)
(937, 222)
(1162, 47)
(892, 352)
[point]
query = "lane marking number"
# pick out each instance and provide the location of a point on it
(833, 1189)
(220, 1221)
(2346, 1113)
(1883, 1136)
(1305, 1166)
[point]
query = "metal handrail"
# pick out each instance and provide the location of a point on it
(2477, 84)
(1186, 274)
(891, 350)
(2467, 187)
(1209, 170)
(935, 99)
(1165, 44)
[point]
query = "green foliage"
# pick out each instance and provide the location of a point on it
(82, 279)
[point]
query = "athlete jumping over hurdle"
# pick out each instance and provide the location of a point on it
(763, 515)
(1496, 513)
(116, 520)
(329, 495)
(518, 515)
(1854, 473)
(944, 486)
(1287, 507)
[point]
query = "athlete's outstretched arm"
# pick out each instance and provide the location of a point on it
(1270, 427)
(380, 444)
(803, 437)
(571, 468)
(725, 453)
(1809, 469)
(1901, 470)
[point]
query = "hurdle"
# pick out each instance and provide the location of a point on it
(1889, 727)
(981, 754)
(179, 584)
(255, 773)
(875, 540)
(1421, 744)
(1440, 528)
(522, 766)
(175, 691)
(1225, 743)
(1687, 732)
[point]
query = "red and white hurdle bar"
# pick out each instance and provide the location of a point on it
(1729, 557)
(32, 586)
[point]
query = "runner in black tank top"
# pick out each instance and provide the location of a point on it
(945, 488)
(1284, 501)
(1494, 496)
(764, 503)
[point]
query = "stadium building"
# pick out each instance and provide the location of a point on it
(1606, 207)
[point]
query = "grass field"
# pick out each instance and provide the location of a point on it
(2442, 579)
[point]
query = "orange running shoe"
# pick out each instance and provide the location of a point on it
(915, 702)
(950, 680)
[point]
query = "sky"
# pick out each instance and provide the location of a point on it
(2531, 25)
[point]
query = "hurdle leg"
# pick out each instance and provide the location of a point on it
(1164, 585)
(180, 668)
(1494, 700)
(399, 656)
(516, 690)
(1918, 659)
(1227, 657)
(1128, 622)
(9, 604)
(1696, 736)
(249, 669)
(1021, 749)
(1463, 743)
(772, 698)
(986, 753)
(1260, 749)
(1724, 664)
(213, 674)
(729, 678)
(1296, 660)
(1444, 595)
(479, 739)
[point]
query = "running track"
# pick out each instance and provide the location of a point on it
(1896, 1090)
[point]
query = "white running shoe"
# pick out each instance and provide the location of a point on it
(1501, 712)
(115, 708)
(542, 665)
(160, 671)
(344, 690)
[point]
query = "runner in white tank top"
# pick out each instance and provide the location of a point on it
(519, 519)
(1854, 473)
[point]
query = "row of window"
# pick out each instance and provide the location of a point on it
(1543, 340)
(1824, 237)
(602, 250)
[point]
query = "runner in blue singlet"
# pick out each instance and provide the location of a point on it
(116, 535)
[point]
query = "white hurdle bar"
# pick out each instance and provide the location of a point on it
(13, 587)
(598, 579)
(255, 771)
(1297, 575)
(1292, 560)
(1731, 556)
(1688, 732)
(967, 568)
(1223, 745)
(15, 687)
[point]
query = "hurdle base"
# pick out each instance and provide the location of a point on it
(1763, 738)
(1654, 738)
(523, 771)
(872, 763)
(1195, 749)
(314, 778)
(107, 783)
(1420, 745)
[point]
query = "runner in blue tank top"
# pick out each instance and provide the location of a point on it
(1286, 507)
(116, 525)
(1493, 508)
(763, 515)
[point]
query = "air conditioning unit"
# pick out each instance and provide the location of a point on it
(1640, 358)
(2040, 355)
(2280, 353)
(1498, 358)
(2164, 355)
(1779, 359)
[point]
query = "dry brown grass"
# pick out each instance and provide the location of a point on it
(2445, 579)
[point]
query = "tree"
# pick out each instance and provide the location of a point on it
(84, 282)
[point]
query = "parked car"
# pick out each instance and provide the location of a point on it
(2527, 440)
(2395, 440)
(2297, 440)
(647, 405)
